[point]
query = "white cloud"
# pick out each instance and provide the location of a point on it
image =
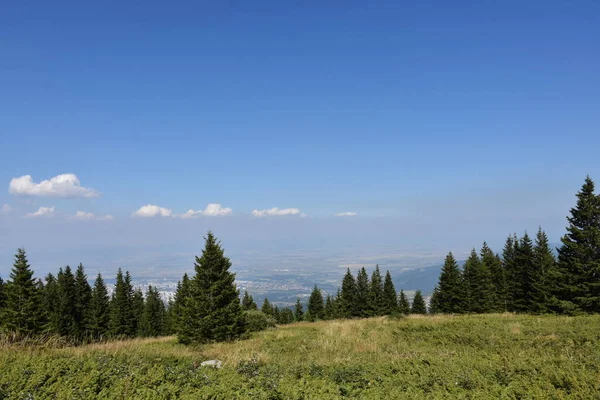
(47, 212)
(6, 208)
(211, 210)
(150, 211)
(346, 214)
(65, 185)
(88, 216)
(277, 212)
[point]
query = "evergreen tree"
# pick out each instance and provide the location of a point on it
(403, 305)
(329, 311)
(389, 295)
(83, 297)
(248, 302)
(50, 304)
(138, 306)
(509, 264)
(477, 281)
(99, 309)
(276, 314)
(298, 311)
(213, 311)
(267, 308)
(450, 288)
(522, 288)
(2, 298)
(169, 317)
(22, 313)
(543, 276)
(361, 300)
(418, 304)
(316, 307)
(579, 255)
(337, 310)
(347, 299)
(67, 325)
(497, 282)
(287, 316)
(376, 299)
(121, 321)
(181, 294)
(154, 314)
(434, 302)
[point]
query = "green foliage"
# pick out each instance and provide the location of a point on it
(544, 277)
(248, 302)
(390, 305)
(376, 299)
(257, 321)
(286, 316)
(138, 306)
(348, 306)
(181, 294)
(267, 308)
(83, 298)
(403, 304)
(66, 313)
(316, 307)
(494, 279)
(298, 311)
(361, 300)
(450, 294)
(2, 297)
(579, 255)
(99, 311)
(153, 314)
(523, 287)
(418, 304)
(434, 302)
(213, 311)
(329, 312)
(477, 282)
(23, 313)
(122, 320)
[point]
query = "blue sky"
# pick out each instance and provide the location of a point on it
(437, 123)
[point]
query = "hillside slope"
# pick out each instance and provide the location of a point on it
(479, 356)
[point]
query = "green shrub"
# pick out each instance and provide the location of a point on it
(257, 321)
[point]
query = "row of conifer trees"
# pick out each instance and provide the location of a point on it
(66, 305)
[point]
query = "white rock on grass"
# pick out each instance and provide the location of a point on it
(211, 363)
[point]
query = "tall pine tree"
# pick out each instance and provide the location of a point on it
(316, 307)
(403, 304)
(509, 264)
(153, 320)
(121, 307)
(450, 287)
(361, 300)
(298, 311)
(543, 276)
(83, 297)
(579, 255)
(99, 310)
(347, 300)
(23, 313)
(213, 311)
(389, 295)
(376, 301)
(67, 325)
(248, 302)
(418, 304)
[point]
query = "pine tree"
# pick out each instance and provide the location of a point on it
(523, 290)
(389, 295)
(403, 305)
(181, 294)
(450, 288)
(267, 308)
(418, 304)
(83, 297)
(434, 302)
(276, 314)
(248, 302)
(2, 298)
(509, 264)
(22, 313)
(99, 310)
(579, 255)
(477, 281)
(67, 325)
(213, 312)
(347, 299)
(492, 263)
(543, 276)
(121, 321)
(50, 304)
(328, 312)
(287, 316)
(361, 300)
(298, 311)
(316, 307)
(138, 305)
(153, 321)
(376, 299)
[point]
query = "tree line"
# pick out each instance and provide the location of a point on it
(528, 278)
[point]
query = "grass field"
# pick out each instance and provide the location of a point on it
(474, 357)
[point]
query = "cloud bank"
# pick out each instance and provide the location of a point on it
(346, 214)
(65, 186)
(88, 216)
(276, 212)
(150, 211)
(42, 212)
(211, 210)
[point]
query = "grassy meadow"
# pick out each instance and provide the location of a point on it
(473, 357)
